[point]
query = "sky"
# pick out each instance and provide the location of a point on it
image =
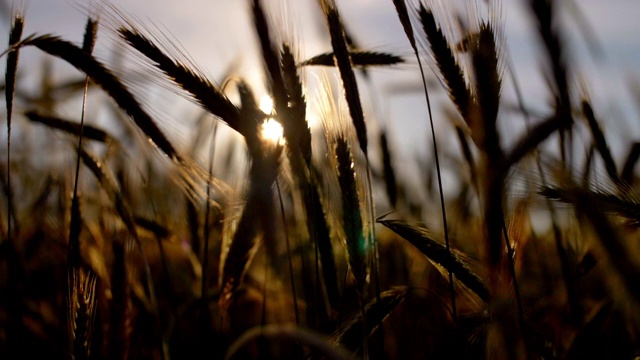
(218, 36)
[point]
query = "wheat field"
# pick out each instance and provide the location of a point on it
(279, 220)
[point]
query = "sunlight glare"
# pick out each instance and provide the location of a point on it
(271, 131)
(266, 104)
(313, 120)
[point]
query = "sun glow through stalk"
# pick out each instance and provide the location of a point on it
(271, 131)
(266, 104)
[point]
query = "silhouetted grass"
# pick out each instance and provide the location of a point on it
(282, 258)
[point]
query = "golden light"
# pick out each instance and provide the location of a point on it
(271, 131)
(313, 120)
(266, 104)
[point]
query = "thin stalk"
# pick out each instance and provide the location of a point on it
(263, 344)
(263, 318)
(374, 240)
(512, 268)
(88, 47)
(290, 261)
(316, 259)
(73, 257)
(207, 213)
(439, 176)
(403, 16)
(365, 337)
(286, 239)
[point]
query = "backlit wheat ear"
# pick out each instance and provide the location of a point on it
(355, 240)
(84, 308)
(345, 67)
(450, 70)
(270, 58)
(110, 84)
(627, 206)
(70, 127)
(17, 27)
(295, 127)
(250, 118)
(269, 55)
(488, 86)
(90, 35)
(202, 90)
(437, 252)
(358, 59)
(405, 21)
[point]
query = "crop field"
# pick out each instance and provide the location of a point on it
(279, 219)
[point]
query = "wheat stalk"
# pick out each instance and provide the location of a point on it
(450, 71)
(202, 90)
(17, 26)
(295, 128)
(98, 73)
(488, 88)
(358, 58)
(345, 67)
(601, 144)
(545, 15)
(351, 216)
(73, 128)
(389, 173)
(632, 158)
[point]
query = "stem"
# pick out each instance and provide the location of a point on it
(286, 238)
(438, 173)
(512, 268)
(205, 252)
(374, 240)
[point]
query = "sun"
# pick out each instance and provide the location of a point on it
(266, 104)
(271, 131)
